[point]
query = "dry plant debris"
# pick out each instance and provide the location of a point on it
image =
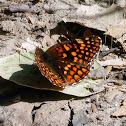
(25, 24)
(121, 111)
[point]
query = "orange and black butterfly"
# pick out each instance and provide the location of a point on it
(67, 62)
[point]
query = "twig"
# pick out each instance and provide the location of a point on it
(120, 89)
(22, 8)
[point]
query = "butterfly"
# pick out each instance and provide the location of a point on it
(68, 62)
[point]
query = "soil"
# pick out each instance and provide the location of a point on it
(42, 22)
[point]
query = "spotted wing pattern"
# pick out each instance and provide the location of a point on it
(46, 69)
(68, 62)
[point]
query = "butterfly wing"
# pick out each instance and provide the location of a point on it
(73, 58)
(46, 64)
(78, 51)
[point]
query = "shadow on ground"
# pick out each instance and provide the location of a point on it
(11, 93)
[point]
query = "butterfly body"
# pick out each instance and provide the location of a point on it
(68, 62)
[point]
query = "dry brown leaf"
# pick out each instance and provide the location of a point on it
(121, 111)
(118, 31)
(113, 62)
(95, 16)
(110, 95)
(119, 28)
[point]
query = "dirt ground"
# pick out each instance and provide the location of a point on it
(42, 22)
